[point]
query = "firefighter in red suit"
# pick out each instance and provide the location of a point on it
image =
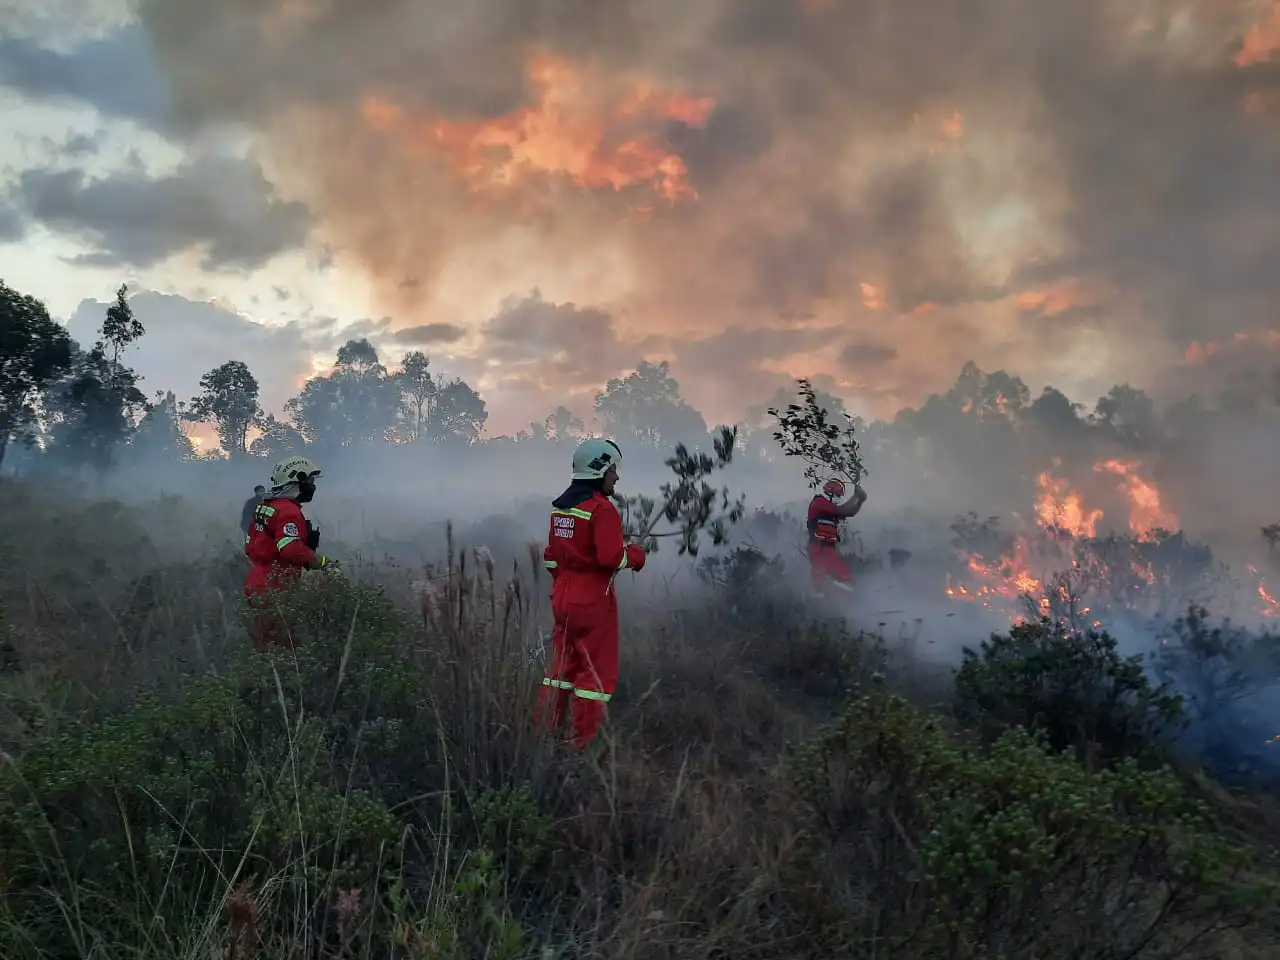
(585, 552)
(282, 544)
(826, 565)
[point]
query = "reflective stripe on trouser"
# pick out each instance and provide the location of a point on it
(584, 694)
(584, 668)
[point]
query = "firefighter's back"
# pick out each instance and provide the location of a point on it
(263, 550)
(571, 545)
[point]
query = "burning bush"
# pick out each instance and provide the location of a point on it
(1072, 685)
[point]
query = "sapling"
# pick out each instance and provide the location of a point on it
(689, 503)
(828, 449)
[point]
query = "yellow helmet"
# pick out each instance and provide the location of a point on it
(291, 470)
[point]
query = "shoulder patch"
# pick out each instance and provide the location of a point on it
(290, 529)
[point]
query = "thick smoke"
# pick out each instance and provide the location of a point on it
(1078, 192)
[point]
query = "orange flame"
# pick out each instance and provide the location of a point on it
(1261, 41)
(1058, 506)
(565, 132)
(1145, 511)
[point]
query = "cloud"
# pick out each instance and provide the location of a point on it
(864, 357)
(117, 74)
(546, 349)
(13, 225)
(429, 333)
(1072, 191)
(220, 206)
(185, 339)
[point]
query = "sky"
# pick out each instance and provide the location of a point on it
(541, 193)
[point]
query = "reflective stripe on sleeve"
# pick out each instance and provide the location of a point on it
(572, 512)
(558, 684)
(592, 695)
(285, 541)
(550, 564)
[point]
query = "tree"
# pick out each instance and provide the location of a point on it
(35, 352)
(159, 434)
(1129, 415)
(229, 400)
(458, 414)
(646, 406)
(277, 440)
(356, 404)
(989, 395)
(121, 327)
(96, 409)
(418, 392)
(562, 426)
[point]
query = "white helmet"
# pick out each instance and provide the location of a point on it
(291, 470)
(594, 457)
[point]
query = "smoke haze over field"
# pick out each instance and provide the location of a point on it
(540, 194)
(1083, 193)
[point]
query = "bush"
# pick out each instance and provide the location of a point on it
(1224, 674)
(939, 849)
(378, 793)
(286, 776)
(1072, 685)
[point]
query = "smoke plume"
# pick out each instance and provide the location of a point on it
(1078, 192)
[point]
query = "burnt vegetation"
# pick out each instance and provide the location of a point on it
(773, 781)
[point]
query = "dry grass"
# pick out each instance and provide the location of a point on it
(381, 792)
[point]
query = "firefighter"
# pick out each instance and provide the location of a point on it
(826, 566)
(585, 552)
(247, 512)
(282, 544)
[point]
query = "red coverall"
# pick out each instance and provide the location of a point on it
(584, 553)
(825, 562)
(278, 549)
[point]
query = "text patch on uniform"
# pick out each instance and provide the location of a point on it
(563, 527)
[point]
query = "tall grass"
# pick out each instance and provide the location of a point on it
(380, 791)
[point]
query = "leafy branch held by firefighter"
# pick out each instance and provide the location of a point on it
(832, 458)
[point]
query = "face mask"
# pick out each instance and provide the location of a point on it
(306, 490)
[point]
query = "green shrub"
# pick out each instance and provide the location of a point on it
(1012, 850)
(1072, 685)
(279, 774)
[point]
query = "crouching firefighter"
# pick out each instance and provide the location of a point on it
(585, 551)
(826, 513)
(282, 544)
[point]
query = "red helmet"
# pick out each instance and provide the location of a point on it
(834, 488)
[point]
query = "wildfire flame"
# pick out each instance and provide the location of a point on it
(1057, 506)
(1062, 517)
(1145, 512)
(567, 132)
(1061, 542)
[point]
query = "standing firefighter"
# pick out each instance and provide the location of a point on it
(249, 510)
(585, 551)
(825, 515)
(281, 545)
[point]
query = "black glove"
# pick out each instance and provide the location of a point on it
(313, 537)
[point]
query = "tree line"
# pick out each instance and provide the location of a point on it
(83, 407)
